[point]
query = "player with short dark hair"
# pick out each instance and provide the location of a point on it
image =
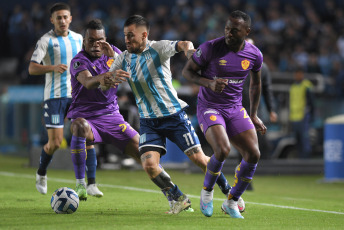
(224, 63)
(162, 113)
(55, 50)
(94, 112)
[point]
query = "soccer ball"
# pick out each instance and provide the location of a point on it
(64, 201)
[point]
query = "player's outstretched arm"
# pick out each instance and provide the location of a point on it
(187, 47)
(38, 69)
(191, 73)
(92, 82)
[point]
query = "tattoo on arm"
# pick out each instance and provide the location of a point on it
(192, 151)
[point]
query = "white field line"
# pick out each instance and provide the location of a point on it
(10, 174)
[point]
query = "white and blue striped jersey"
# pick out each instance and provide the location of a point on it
(151, 79)
(53, 50)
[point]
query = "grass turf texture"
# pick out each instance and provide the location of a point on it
(132, 201)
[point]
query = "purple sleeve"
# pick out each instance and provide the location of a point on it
(202, 55)
(77, 65)
(259, 61)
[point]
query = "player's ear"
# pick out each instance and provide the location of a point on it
(248, 30)
(144, 35)
(51, 20)
(71, 18)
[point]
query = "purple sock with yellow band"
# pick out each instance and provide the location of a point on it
(78, 149)
(214, 168)
(243, 176)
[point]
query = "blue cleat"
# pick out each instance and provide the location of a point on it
(230, 207)
(207, 208)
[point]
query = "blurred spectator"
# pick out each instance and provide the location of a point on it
(301, 110)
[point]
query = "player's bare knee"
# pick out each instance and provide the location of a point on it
(80, 127)
(222, 151)
(253, 157)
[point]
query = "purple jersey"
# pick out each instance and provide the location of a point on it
(91, 102)
(217, 61)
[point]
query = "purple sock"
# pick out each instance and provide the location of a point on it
(243, 176)
(213, 172)
(78, 148)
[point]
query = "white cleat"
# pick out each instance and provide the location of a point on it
(230, 207)
(241, 205)
(41, 183)
(93, 190)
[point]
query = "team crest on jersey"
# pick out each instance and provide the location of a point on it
(109, 62)
(213, 117)
(198, 52)
(245, 64)
(76, 65)
(222, 62)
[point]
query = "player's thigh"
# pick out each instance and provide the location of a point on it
(132, 148)
(247, 144)
(55, 135)
(217, 137)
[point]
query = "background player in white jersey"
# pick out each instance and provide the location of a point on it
(55, 50)
(162, 113)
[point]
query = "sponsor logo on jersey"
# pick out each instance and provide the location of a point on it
(222, 62)
(235, 81)
(213, 117)
(109, 62)
(245, 64)
(210, 111)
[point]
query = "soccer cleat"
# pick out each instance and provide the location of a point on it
(81, 191)
(181, 204)
(230, 207)
(241, 205)
(207, 207)
(41, 183)
(93, 190)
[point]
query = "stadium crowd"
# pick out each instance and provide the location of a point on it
(289, 33)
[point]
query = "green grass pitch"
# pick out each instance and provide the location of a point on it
(132, 201)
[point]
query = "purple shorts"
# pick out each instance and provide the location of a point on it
(235, 119)
(111, 129)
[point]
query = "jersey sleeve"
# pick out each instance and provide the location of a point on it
(117, 64)
(259, 61)
(202, 55)
(77, 65)
(40, 51)
(165, 48)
